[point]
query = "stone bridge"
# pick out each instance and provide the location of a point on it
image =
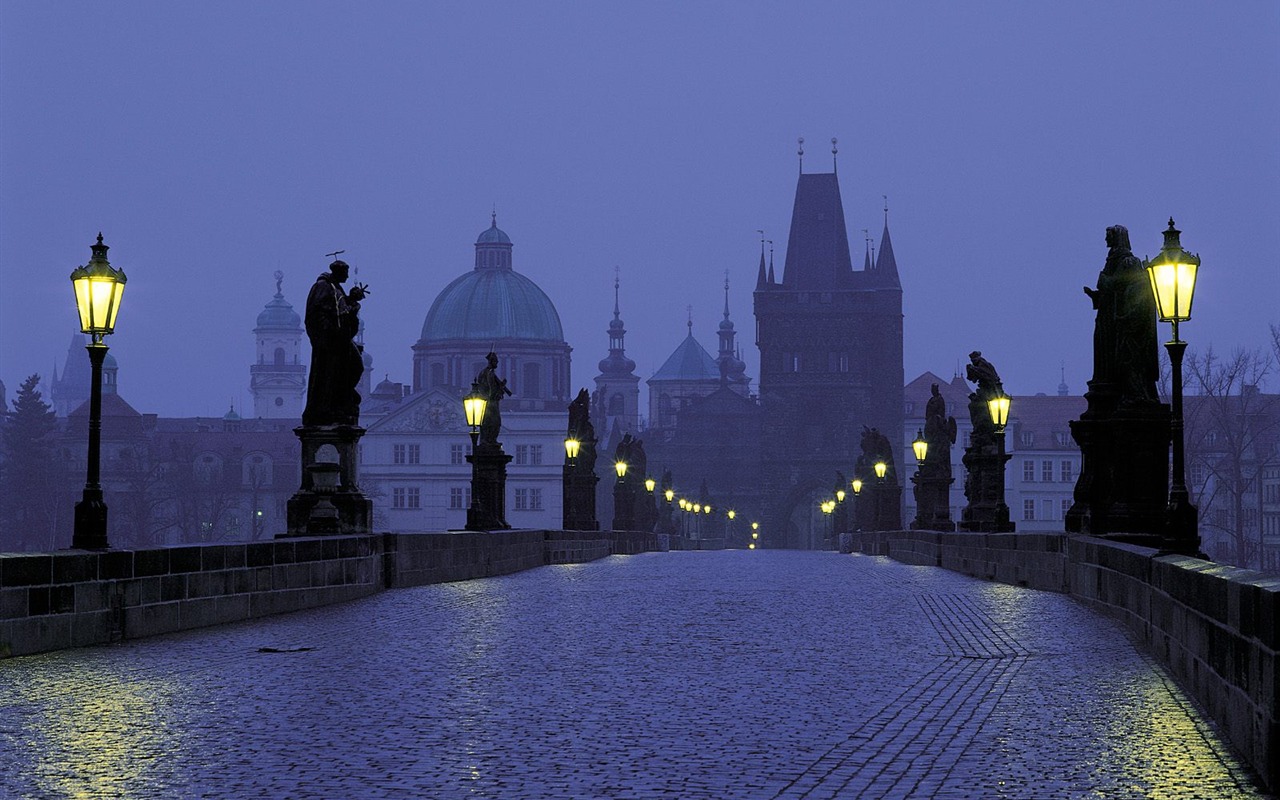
(536, 664)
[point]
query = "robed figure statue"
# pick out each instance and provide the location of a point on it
(332, 321)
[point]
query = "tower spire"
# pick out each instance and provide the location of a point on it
(800, 153)
(689, 309)
(833, 154)
(726, 294)
(761, 276)
(616, 271)
(771, 278)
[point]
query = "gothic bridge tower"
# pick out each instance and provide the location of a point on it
(830, 342)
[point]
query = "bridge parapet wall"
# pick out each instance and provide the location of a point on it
(1214, 627)
(72, 598)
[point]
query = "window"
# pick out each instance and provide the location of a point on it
(837, 362)
(535, 454)
(522, 454)
(528, 499)
(1028, 438)
(415, 497)
(1046, 471)
(1066, 506)
(795, 363)
(1029, 510)
(415, 454)
(457, 454)
(1197, 475)
(1046, 509)
(398, 497)
(437, 374)
(1068, 471)
(1028, 471)
(1061, 438)
(279, 355)
(397, 454)
(459, 497)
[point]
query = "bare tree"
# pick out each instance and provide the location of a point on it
(1232, 430)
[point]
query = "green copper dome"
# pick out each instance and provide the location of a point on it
(493, 301)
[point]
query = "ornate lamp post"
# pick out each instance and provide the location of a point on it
(999, 408)
(98, 287)
(920, 447)
(474, 405)
(571, 448)
(623, 500)
(856, 485)
(1173, 281)
(488, 470)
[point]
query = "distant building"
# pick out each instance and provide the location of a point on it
(278, 377)
(413, 458)
(617, 386)
(68, 390)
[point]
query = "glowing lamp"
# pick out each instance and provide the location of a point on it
(755, 526)
(98, 287)
(697, 508)
(999, 408)
(839, 495)
(1173, 278)
(732, 513)
(857, 486)
(755, 535)
(920, 447)
(621, 468)
(670, 493)
(751, 546)
(881, 469)
(649, 483)
(683, 503)
(474, 405)
(571, 447)
(706, 509)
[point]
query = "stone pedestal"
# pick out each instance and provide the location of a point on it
(580, 500)
(888, 505)
(984, 488)
(933, 503)
(1123, 488)
(329, 502)
(488, 511)
(624, 502)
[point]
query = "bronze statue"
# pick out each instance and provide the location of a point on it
(1125, 349)
(332, 321)
(493, 389)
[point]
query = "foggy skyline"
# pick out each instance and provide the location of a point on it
(215, 145)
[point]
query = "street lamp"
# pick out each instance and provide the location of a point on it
(98, 288)
(732, 513)
(856, 483)
(1173, 282)
(474, 405)
(670, 494)
(920, 446)
(839, 495)
(620, 467)
(649, 483)
(998, 406)
(571, 448)
(881, 468)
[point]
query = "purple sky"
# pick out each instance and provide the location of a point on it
(214, 143)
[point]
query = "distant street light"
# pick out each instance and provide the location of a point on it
(921, 447)
(620, 467)
(98, 288)
(649, 483)
(1173, 282)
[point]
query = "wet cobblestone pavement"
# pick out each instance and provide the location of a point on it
(687, 675)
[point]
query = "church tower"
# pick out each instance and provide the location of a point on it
(733, 371)
(617, 385)
(278, 380)
(830, 342)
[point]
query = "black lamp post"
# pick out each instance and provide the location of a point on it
(999, 408)
(98, 287)
(624, 500)
(1173, 281)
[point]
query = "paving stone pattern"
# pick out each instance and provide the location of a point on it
(731, 674)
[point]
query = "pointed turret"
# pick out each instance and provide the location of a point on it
(818, 244)
(886, 266)
(762, 277)
(732, 369)
(617, 384)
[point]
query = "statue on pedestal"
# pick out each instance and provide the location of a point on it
(332, 321)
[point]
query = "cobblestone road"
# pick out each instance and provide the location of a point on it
(692, 675)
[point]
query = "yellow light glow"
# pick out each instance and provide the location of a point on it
(856, 483)
(1173, 278)
(621, 468)
(920, 446)
(683, 503)
(571, 447)
(755, 526)
(840, 495)
(670, 493)
(755, 535)
(697, 508)
(474, 405)
(999, 408)
(732, 513)
(881, 469)
(706, 509)
(751, 546)
(649, 483)
(98, 291)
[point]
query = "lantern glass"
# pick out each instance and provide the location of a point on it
(697, 508)
(1173, 278)
(621, 468)
(755, 535)
(755, 526)
(649, 483)
(670, 493)
(706, 509)
(857, 485)
(752, 546)
(840, 495)
(474, 405)
(881, 469)
(571, 447)
(999, 408)
(732, 513)
(683, 503)
(920, 446)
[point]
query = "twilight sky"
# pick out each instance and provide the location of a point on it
(214, 143)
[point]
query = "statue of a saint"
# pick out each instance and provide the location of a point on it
(940, 433)
(980, 371)
(1125, 350)
(332, 321)
(493, 389)
(580, 428)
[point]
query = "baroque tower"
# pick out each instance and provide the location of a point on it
(830, 342)
(278, 379)
(617, 385)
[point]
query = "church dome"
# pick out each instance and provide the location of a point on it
(493, 301)
(278, 314)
